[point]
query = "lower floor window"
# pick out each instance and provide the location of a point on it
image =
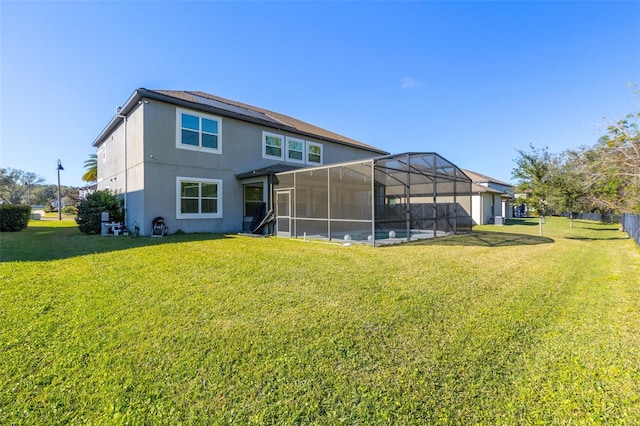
(198, 198)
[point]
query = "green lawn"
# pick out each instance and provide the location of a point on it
(496, 327)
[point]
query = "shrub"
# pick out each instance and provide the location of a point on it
(70, 210)
(14, 218)
(90, 211)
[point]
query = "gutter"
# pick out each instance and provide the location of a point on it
(121, 112)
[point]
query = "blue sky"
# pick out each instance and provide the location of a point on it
(472, 81)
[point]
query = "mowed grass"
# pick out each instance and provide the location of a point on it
(496, 327)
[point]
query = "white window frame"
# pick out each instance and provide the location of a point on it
(264, 146)
(180, 215)
(200, 115)
(309, 143)
(304, 150)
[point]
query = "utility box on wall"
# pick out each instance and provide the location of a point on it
(104, 219)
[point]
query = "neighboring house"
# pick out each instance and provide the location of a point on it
(86, 190)
(204, 163)
(491, 198)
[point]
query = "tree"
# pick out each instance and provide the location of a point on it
(8, 179)
(30, 181)
(533, 171)
(42, 194)
(91, 165)
(70, 196)
(614, 167)
(568, 183)
(16, 185)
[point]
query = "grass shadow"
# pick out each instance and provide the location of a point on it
(43, 243)
(522, 221)
(486, 239)
(625, 237)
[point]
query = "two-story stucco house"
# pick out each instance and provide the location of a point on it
(204, 163)
(490, 198)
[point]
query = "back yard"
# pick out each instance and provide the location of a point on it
(497, 327)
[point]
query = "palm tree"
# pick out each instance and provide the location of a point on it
(91, 175)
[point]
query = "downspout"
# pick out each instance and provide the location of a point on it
(125, 121)
(270, 206)
(471, 206)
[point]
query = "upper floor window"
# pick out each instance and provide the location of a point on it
(295, 150)
(314, 153)
(198, 131)
(291, 149)
(272, 146)
(198, 198)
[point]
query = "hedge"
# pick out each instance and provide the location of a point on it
(13, 217)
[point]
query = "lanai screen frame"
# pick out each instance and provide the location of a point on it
(392, 198)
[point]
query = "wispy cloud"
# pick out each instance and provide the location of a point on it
(409, 83)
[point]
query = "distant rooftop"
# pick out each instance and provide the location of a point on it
(480, 178)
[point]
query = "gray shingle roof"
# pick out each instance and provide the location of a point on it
(273, 118)
(238, 110)
(475, 188)
(480, 178)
